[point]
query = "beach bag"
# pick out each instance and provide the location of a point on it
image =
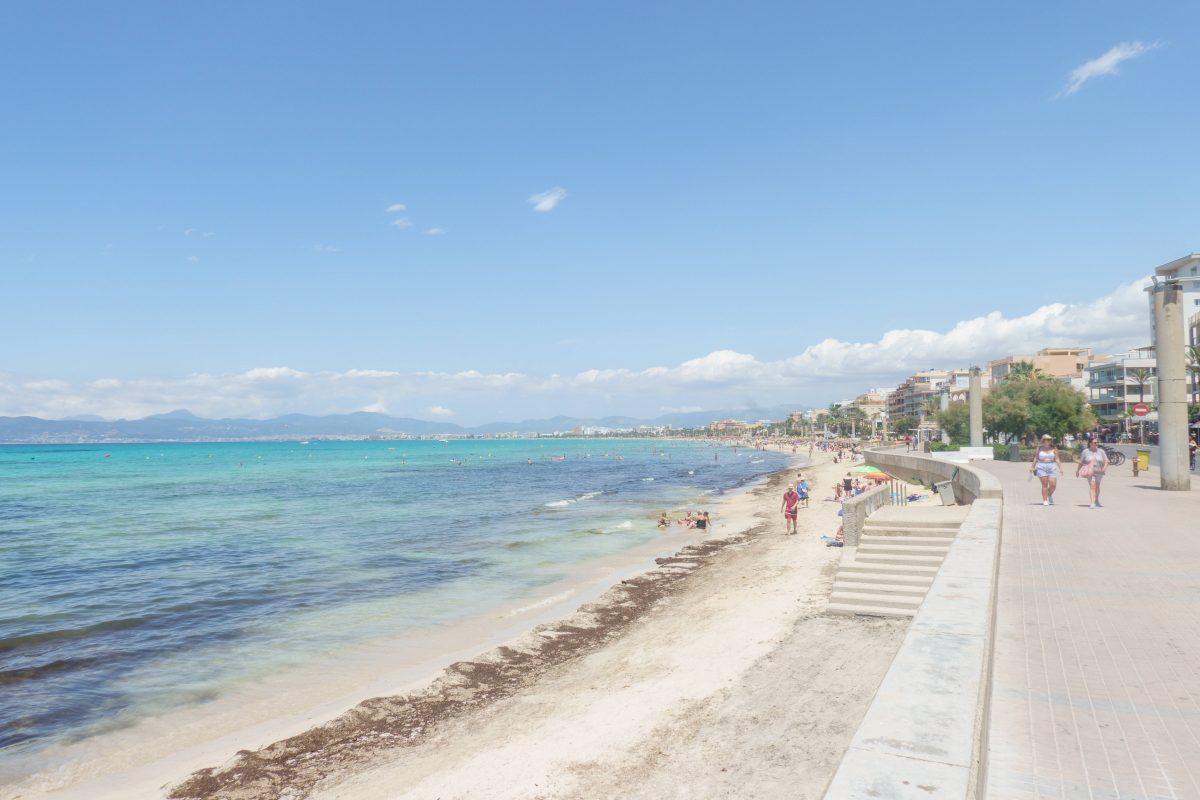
(1086, 470)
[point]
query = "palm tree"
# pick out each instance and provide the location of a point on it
(856, 416)
(1141, 376)
(1192, 352)
(1025, 371)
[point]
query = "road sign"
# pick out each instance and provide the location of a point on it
(1141, 409)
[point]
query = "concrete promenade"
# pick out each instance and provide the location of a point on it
(1096, 688)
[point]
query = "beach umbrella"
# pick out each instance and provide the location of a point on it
(865, 470)
(878, 476)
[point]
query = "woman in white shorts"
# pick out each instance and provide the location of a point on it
(1045, 466)
(1098, 460)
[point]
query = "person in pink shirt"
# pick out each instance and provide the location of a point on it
(791, 501)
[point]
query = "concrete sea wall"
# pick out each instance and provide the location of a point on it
(924, 735)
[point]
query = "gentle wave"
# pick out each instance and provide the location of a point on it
(547, 601)
(65, 634)
(572, 501)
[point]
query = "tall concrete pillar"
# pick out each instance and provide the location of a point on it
(1172, 387)
(975, 407)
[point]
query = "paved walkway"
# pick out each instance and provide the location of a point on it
(1096, 690)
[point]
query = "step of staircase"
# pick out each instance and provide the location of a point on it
(918, 582)
(866, 587)
(932, 541)
(934, 561)
(921, 516)
(867, 598)
(896, 570)
(908, 531)
(884, 544)
(853, 609)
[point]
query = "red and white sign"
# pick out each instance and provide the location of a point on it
(1141, 409)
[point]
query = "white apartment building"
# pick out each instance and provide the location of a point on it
(1113, 387)
(1186, 270)
(1193, 340)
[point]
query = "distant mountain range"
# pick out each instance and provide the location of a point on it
(185, 426)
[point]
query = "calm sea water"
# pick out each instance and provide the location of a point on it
(138, 579)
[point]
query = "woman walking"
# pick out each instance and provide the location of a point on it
(1092, 463)
(1045, 467)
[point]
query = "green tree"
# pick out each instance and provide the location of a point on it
(955, 420)
(1027, 408)
(1140, 377)
(834, 419)
(902, 425)
(856, 419)
(1192, 353)
(1025, 371)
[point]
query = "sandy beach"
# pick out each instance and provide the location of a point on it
(714, 675)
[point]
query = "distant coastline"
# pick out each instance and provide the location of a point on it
(183, 426)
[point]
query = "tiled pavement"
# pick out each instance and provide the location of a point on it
(1096, 689)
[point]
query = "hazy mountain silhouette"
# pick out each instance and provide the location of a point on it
(184, 425)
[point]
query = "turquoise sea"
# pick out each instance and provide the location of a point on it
(140, 579)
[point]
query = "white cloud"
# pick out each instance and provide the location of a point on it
(271, 373)
(436, 232)
(194, 259)
(396, 208)
(1106, 64)
(326, 248)
(547, 200)
(403, 223)
(827, 370)
(189, 231)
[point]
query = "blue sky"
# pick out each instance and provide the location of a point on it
(195, 193)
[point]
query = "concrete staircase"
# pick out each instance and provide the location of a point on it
(897, 557)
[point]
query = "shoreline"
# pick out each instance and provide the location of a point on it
(143, 758)
(719, 675)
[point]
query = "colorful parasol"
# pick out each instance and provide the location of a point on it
(878, 476)
(865, 470)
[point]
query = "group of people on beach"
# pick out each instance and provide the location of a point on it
(1046, 466)
(697, 520)
(842, 451)
(849, 486)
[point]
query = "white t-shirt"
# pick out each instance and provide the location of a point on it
(1098, 459)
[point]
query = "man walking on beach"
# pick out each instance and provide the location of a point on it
(790, 501)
